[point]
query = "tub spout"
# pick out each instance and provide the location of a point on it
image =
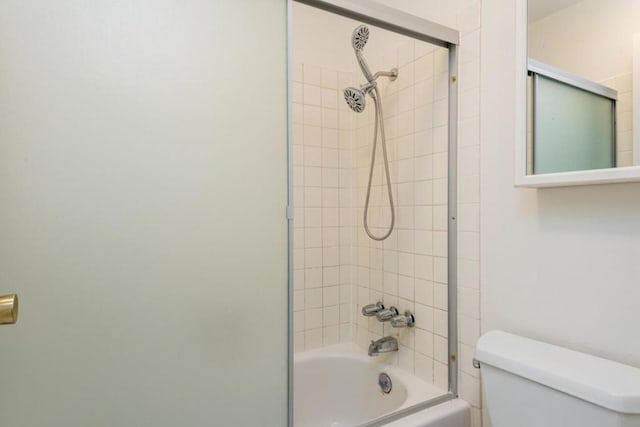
(383, 345)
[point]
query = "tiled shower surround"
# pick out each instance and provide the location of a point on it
(337, 268)
(323, 231)
(409, 269)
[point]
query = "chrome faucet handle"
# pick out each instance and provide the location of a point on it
(370, 310)
(387, 314)
(406, 320)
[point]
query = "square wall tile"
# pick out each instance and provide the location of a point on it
(312, 74)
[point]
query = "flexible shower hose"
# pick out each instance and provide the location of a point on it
(379, 120)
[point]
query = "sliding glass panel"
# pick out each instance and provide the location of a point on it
(573, 129)
(401, 258)
(143, 213)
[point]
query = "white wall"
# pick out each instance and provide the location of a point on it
(592, 38)
(559, 265)
(143, 194)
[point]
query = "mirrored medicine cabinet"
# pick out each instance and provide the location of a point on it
(578, 62)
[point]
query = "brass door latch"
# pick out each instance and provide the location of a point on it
(8, 309)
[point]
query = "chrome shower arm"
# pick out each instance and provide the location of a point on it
(393, 74)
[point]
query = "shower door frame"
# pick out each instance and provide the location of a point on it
(409, 25)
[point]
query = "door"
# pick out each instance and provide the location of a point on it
(142, 212)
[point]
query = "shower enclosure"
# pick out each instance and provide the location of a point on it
(372, 209)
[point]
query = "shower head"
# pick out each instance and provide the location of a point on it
(359, 37)
(355, 99)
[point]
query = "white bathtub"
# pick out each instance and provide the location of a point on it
(337, 386)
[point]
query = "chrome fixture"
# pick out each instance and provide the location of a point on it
(387, 314)
(383, 345)
(370, 310)
(359, 39)
(384, 381)
(355, 98)
(406, 320)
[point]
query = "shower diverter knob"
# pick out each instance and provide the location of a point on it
(371, 310)
(405, 320)
(388, 314)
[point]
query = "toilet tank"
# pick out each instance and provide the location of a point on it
(529, 383)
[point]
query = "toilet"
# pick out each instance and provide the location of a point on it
(529, 383)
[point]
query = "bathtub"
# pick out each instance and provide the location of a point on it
(337, 386)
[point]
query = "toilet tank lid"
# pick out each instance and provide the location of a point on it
(602, 382)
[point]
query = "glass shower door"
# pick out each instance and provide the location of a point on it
(142, 213)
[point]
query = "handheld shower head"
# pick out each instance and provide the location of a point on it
(359, 37)
(355, 99)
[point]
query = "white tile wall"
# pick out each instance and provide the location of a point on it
(406, 270)
(623, 83)
(322, 233)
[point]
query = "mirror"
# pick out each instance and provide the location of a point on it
(582, 113)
